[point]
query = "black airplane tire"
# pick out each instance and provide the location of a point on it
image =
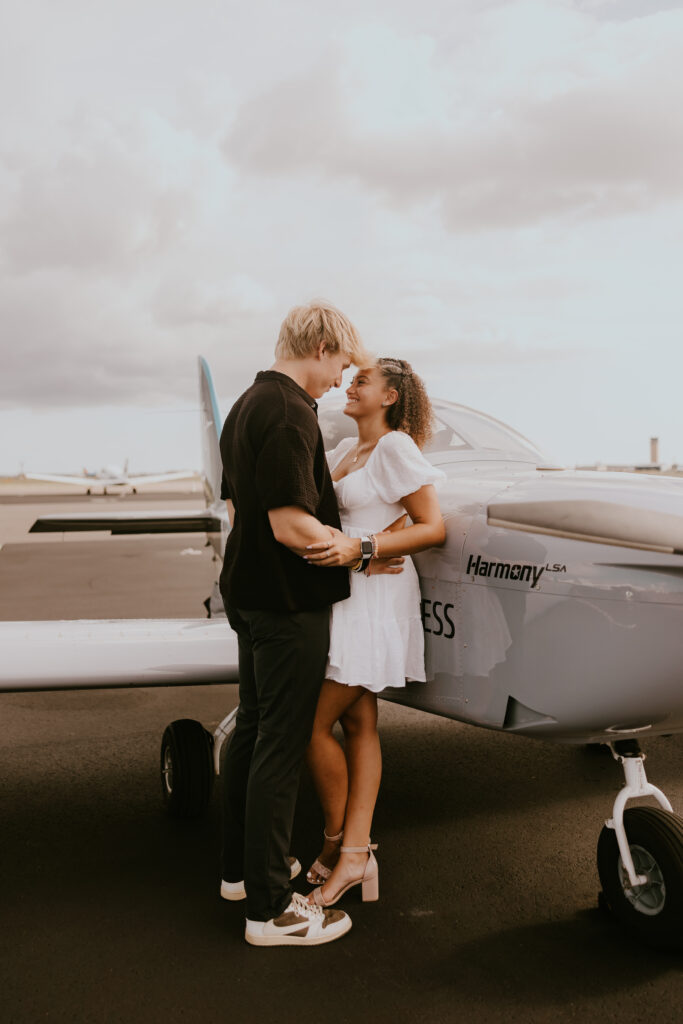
(186, 768)
(653, 912)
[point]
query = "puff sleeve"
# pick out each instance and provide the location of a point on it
(397, 467)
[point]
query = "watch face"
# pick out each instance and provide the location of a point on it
(366, 547)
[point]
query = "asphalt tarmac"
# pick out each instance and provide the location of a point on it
(110, 910)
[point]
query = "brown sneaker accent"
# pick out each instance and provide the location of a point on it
(288, 918)
(332, 916)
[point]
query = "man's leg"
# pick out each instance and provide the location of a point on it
(237, 760)
(290, 655)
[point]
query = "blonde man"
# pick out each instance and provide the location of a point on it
(276, 476)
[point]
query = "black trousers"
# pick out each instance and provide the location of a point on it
(282, 660)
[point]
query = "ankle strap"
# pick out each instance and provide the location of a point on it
(333, 839)
(358, 849)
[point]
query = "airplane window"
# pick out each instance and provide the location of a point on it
(482, 432)
(444, 438)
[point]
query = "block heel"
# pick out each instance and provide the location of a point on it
(370, 887)
(368, 881)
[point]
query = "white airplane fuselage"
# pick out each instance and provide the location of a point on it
(545, 635)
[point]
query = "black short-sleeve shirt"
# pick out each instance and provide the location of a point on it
(273, 456)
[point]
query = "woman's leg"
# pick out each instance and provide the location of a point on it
(327, 762)
(364, 766)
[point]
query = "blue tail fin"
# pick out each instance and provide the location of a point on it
(210, 426)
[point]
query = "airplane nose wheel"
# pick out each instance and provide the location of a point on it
(640, 863)
(187, 771)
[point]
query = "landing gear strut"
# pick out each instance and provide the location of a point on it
(640, 858)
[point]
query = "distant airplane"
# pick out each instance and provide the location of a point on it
(111, 476)
(554, 610)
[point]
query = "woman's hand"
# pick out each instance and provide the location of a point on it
(340, 550)
(382, 566)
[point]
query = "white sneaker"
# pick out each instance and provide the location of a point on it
(301, 924)
(235, 890)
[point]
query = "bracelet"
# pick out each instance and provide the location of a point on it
(357, 566)
(375, 546)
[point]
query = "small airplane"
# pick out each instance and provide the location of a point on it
(553, 610)
(111, 476)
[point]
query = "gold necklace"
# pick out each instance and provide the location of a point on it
(372, 445)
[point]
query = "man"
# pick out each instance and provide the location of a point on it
(276, 475)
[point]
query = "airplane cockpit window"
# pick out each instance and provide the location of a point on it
(481, 432)
(444, 438)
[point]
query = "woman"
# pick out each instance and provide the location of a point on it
(376, 637)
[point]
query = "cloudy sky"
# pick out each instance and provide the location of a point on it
(492, 189)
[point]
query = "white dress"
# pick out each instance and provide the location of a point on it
(376, 637)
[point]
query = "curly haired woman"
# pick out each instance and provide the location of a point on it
(376, 637)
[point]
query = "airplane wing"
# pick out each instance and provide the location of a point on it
(78, 481)
(202, 521)
(98, 654)
(160, 478)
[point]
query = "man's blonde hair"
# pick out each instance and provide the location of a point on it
(305, 327)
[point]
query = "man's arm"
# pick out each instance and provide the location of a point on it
(296, 529)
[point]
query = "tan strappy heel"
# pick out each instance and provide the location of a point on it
(369, 880)
(317, 867)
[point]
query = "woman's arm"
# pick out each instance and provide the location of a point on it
(427, 531)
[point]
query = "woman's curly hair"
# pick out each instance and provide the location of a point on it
(412, 411)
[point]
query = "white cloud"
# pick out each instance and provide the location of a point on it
(184, 302)
(591, 137)
(97, 206)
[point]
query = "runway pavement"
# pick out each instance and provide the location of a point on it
(110, 911)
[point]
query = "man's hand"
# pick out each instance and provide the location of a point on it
(341, 550)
